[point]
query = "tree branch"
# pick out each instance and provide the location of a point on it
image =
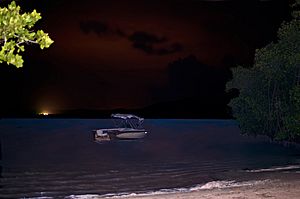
(26, 41)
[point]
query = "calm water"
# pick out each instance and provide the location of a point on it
(58, 157)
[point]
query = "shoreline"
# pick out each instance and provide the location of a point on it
(287, 185)
(277, 188)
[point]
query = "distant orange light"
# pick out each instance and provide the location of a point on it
(44, 113)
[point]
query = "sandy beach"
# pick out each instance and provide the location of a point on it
(268, 189)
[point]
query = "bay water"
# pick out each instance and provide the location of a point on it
(58, 158)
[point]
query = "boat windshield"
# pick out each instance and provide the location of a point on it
(127, 121)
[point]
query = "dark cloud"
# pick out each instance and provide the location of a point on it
(100, 28)
(94, 26)
(149, 49)
(120, 33)
(146, 42)
(149, 43)
(146, 38)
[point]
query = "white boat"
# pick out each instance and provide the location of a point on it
(127, 127)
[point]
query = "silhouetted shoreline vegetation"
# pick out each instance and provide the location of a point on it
(269, 91)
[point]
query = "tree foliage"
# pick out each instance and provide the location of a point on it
(269, 91)
(16, 30)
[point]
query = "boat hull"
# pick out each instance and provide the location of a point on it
(131, 135)
(119, 134)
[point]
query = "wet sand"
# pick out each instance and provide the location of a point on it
(281, 188)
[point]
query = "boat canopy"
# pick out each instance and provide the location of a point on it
(127, 116)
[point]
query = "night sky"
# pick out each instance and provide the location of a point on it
(112, 54)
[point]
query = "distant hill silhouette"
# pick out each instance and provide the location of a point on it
(195, 90)
(185, 108)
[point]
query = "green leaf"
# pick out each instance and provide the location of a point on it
(15, 31)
